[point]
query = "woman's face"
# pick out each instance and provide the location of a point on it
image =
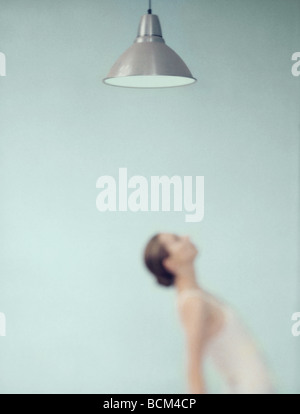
(180, 248)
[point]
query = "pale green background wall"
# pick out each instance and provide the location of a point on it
(83, 314)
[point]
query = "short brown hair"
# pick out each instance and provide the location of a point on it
(154, 255)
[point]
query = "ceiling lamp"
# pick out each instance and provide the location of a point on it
(149, 62)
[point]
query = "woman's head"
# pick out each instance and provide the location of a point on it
(166, 253)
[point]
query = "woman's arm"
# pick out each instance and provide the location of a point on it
(196, 383)
(192, 316)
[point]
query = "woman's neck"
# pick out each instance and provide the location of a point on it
(185, 278)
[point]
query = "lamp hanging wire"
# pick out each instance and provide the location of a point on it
(150, 9)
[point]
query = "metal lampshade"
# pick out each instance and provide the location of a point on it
(149, 62)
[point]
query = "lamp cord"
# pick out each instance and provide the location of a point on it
(149, 10)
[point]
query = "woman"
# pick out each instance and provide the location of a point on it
(210, 325)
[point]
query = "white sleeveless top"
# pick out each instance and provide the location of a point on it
(234, 352)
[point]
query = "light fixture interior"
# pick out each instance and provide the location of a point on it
(155, 81)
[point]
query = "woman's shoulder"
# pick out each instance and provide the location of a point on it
(200, 307)
(200, 293)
